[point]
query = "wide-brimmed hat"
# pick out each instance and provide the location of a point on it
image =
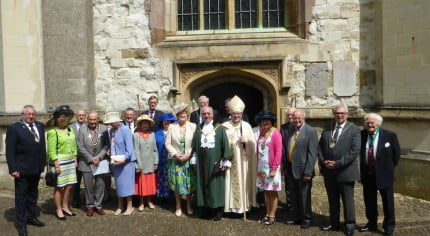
(236, 105)
(112, 117)
(265, 114)
(142, 118)
(59, 111)
(179, 107)
(168, 116)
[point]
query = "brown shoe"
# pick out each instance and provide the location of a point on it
(100, 211)
(90, 212)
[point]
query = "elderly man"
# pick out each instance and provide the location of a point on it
(130, 119)
(93, 142)
(301, 157)
(380, 153)
(284, 132)
(81, 116)
(26, 157)
(197, 116)
(340, 145)
(240, 189)
(211, 157)
(153, 112)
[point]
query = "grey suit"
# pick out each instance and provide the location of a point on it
(339, 182)
(87, 149)
(76, 189)
(304, 156)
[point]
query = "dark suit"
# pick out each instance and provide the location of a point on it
(195, 117)
(157, 118)
(304, 156)
(284, 133)
(387, 156)
(339, 182)
(76, 189)
(28, 157)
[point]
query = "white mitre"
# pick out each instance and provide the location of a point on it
(236, 104)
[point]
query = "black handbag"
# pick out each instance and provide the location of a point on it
(50, 178)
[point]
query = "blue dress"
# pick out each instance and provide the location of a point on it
(121, 143)
(163, 189)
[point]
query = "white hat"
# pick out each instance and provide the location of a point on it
(112, 117)
(180, 107)
(236, 105)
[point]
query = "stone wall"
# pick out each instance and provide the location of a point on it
(124, 61)
(406, 52)
(21, 59)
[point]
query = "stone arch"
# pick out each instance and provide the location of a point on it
(193, 86)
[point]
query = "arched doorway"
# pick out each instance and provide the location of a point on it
(252, 97)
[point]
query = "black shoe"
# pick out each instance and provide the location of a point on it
(22, 230)
(367, 229)
(349, 232)
(218, 216)
(68, 214)
(306, 224)
(294, 222)
(36, 222)
(330, 228)
(60, 218)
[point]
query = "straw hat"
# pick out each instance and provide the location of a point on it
(142, 118)
(59, 111)
(180, 107)
(112, 117)
(236, 104)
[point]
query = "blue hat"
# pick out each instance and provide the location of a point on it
(168, 116)
(265, 114)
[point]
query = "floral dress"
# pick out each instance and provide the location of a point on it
(182, 178)
(264, 181)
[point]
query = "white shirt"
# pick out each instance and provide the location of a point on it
(341, 126)
(34, 127)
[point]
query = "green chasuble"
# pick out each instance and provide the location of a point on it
(210, 187)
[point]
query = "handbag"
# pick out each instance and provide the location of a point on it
(51, 178)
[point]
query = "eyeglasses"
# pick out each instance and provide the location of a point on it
(340, 113)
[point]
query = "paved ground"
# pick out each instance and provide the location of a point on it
(413, 218)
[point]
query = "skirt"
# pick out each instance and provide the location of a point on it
(124, 179)
(68, 170)
(145, 184)
(182, 178)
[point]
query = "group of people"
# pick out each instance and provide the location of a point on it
(189, 154)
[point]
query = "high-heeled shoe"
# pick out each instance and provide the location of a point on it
(58, 217)
(68, 214)
(178, 212)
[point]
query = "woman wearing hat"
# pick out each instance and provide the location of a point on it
(269, 155)
(123, 161)
(178, 145)
(163, 190)
(62, 151)
(145, 149)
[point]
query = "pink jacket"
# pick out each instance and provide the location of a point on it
(275, 150)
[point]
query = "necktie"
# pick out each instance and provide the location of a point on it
(129, 125)
(336, 133)
(152, 115)
(36, 137)
(292, 144)
(94, 134)
(371, 156)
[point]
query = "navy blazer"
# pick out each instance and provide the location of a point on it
(157, 118)
(387, 156)
(345, 153)
(23, 153)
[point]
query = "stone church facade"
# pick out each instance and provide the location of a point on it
(370, 55)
